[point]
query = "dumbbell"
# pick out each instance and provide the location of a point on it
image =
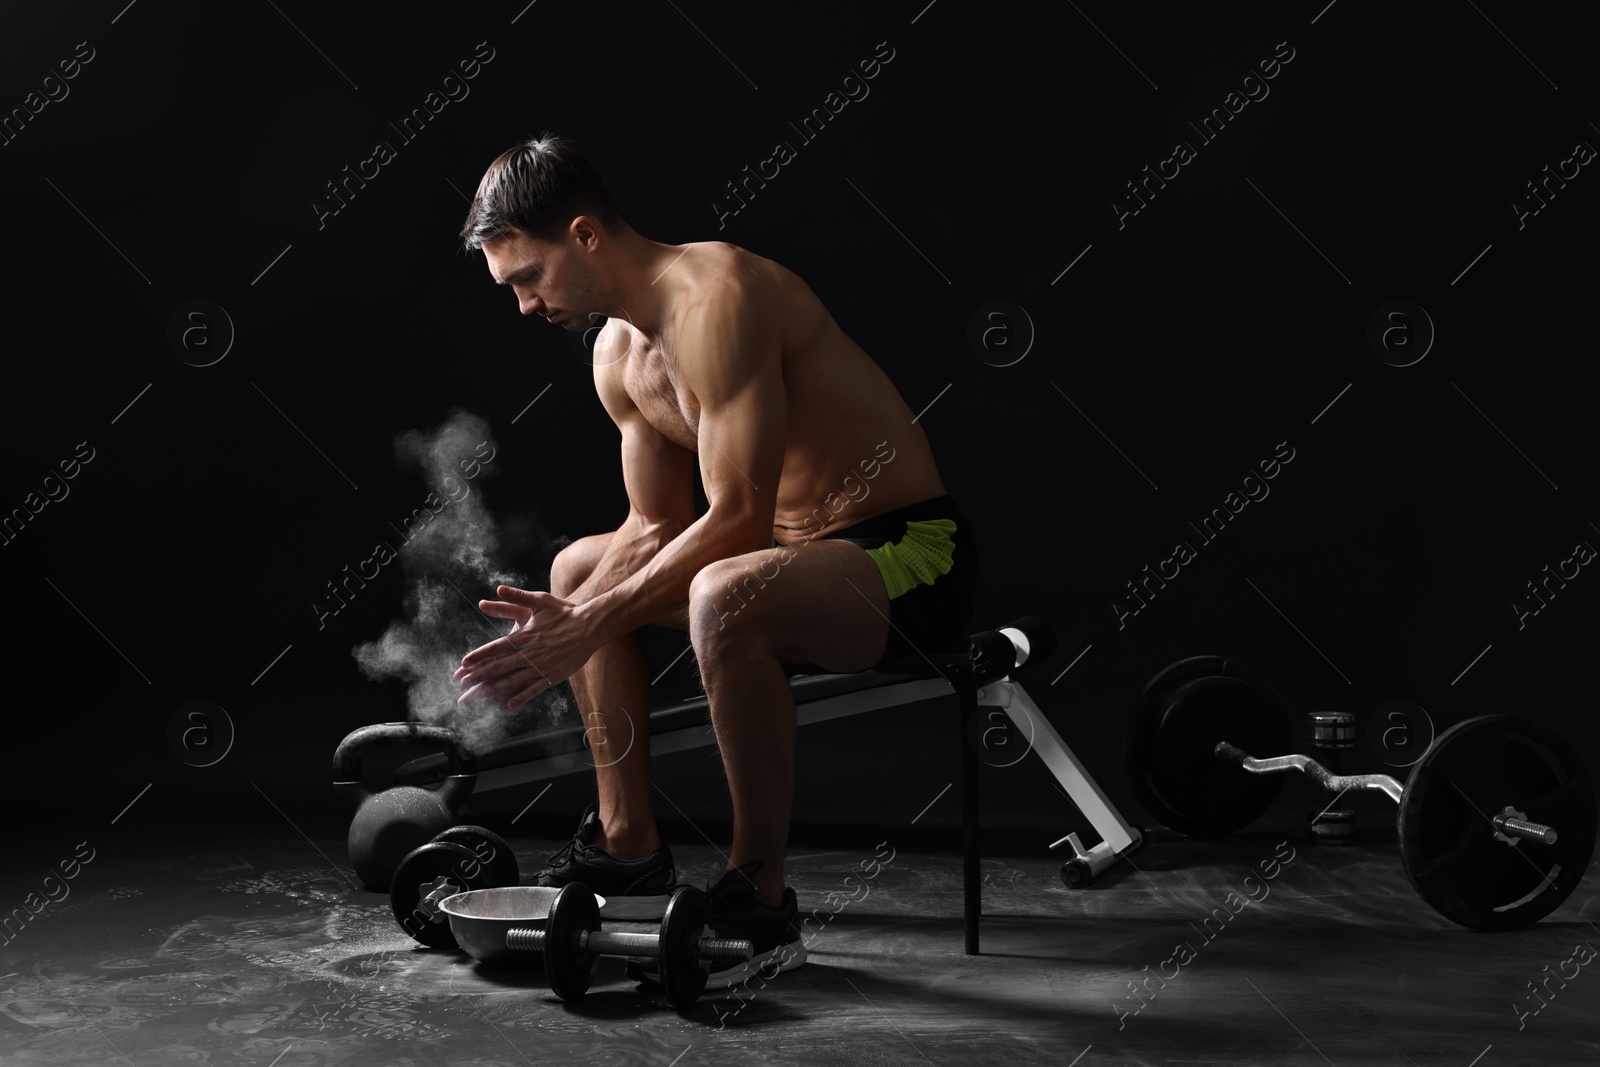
(457, 859)
(464, 858)
(573, 942)
(1331, 733)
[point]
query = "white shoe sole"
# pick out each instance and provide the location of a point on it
(764, 967)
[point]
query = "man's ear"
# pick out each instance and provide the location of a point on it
(585, 231)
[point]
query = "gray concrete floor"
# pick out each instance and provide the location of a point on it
(167, 953)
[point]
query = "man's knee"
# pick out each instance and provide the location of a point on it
(723, 601)
(573, 564)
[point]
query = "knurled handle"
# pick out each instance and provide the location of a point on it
(617, 943)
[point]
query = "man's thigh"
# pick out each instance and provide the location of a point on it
(820, 602)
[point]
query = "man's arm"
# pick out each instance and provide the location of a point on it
(730, 359)
(659, 479)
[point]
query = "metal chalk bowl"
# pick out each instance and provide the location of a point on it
(481, 918)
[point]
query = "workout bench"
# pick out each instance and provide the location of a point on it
(979, 677)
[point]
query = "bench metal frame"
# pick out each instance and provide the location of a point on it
(897, 690)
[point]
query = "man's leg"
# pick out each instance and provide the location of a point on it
(613, 697)
(820, 602)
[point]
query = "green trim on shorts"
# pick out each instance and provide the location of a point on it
(919, 558)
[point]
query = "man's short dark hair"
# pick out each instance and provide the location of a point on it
(538, 187)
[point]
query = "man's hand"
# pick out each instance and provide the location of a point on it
(547, 644)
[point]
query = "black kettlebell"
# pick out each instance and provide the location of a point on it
(391, 822)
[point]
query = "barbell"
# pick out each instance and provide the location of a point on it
(1496, 821)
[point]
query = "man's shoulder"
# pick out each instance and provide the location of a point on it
(713, 266)
(726, 279)
(725, 250)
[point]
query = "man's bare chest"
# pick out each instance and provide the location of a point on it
(654, 384)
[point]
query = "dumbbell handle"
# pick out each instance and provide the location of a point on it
(609, 943)
(1533, 831)
(1334, 783)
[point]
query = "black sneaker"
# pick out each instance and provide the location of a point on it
(736, 913)
(632, 889)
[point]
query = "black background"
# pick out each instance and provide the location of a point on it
(1176, 353)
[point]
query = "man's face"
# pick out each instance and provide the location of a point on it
(552, 278)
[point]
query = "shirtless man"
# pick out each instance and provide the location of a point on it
(828, 539)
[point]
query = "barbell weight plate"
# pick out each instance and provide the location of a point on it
(1174, 674)
(437, 864)
(1171, 763)
(569, 970)
(1447, 840)
(1153, 698)
(491, 848)
(683, 978)
(1144, 723)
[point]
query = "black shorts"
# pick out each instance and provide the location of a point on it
(931, 602)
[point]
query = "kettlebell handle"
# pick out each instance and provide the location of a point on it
(354, 749)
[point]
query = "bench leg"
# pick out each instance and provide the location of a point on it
(971, 873)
